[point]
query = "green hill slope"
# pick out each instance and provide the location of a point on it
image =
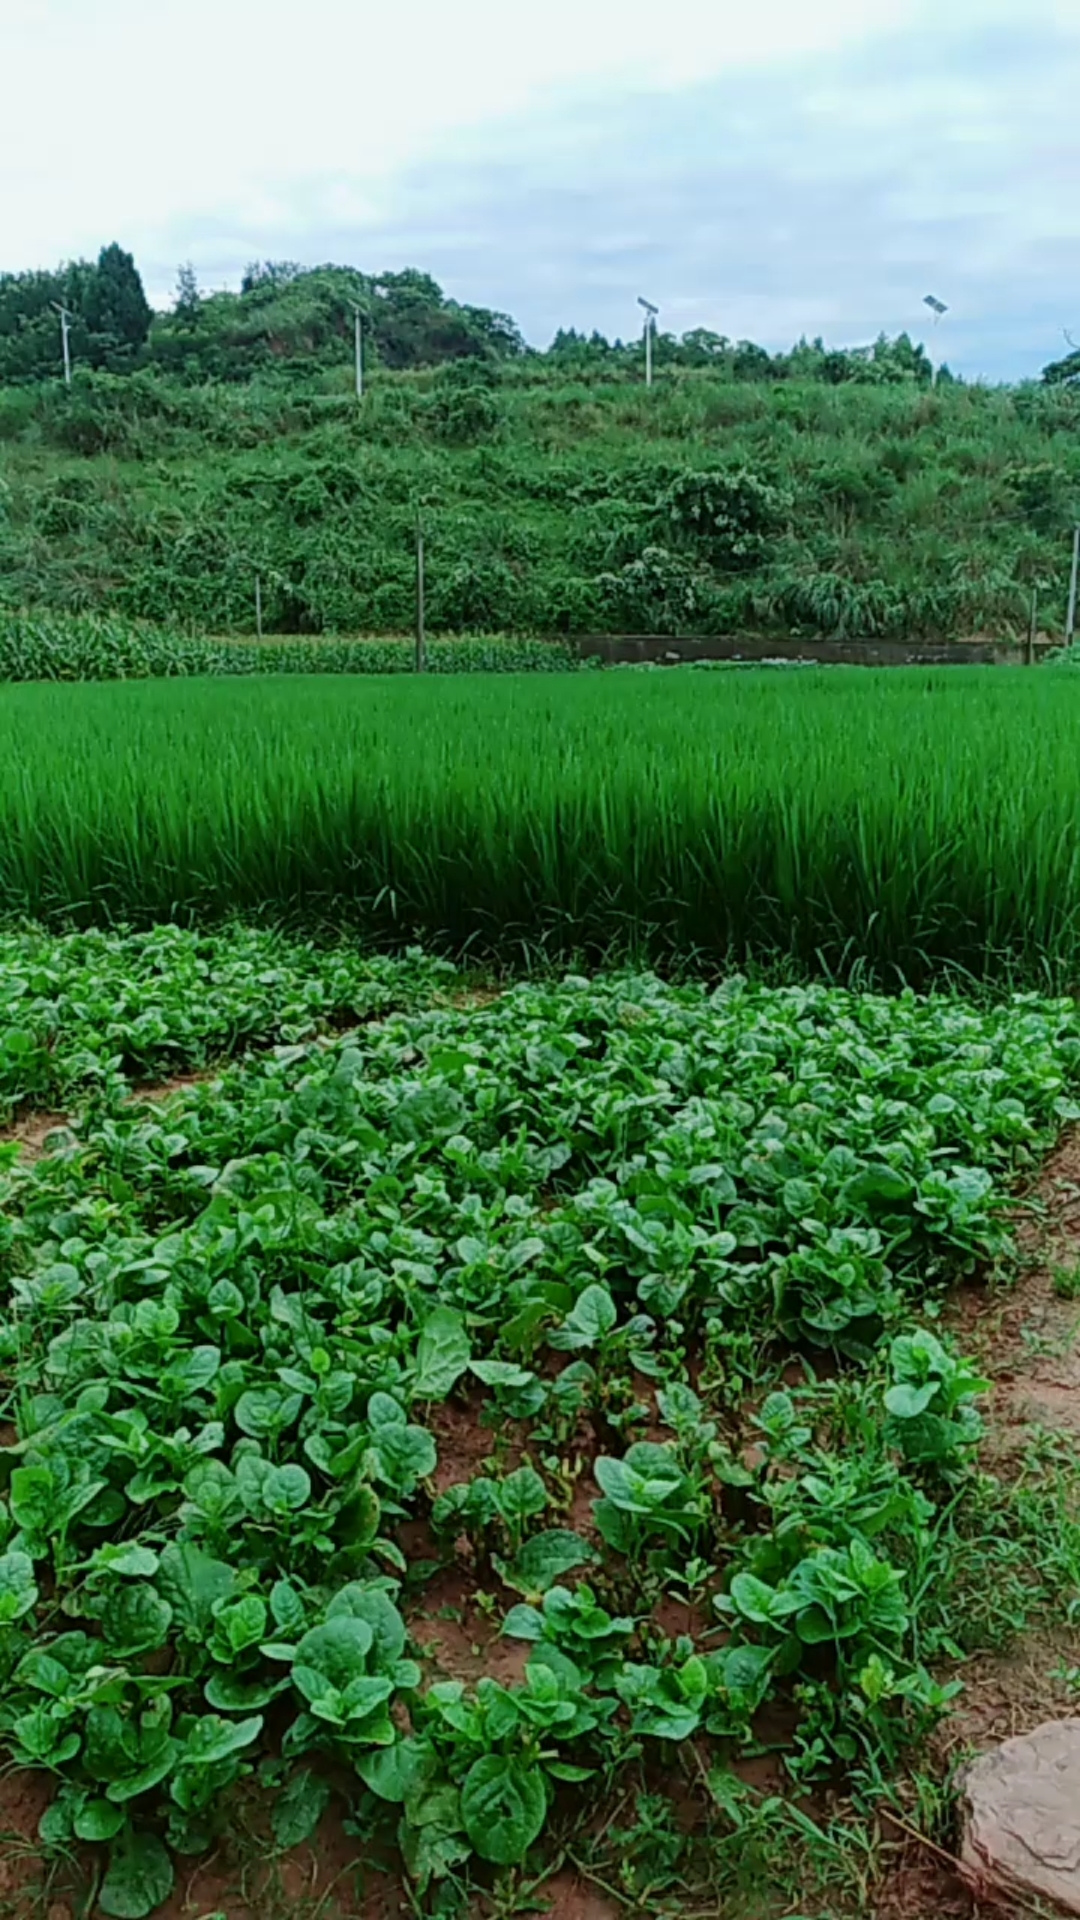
(813, 492)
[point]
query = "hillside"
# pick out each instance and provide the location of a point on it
(809, 492)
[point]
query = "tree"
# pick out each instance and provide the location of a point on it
(187, 303)
(114, 307)
(270, 276)
(1060, 372)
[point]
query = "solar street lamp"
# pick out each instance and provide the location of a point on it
(358, 348)
(650, 328)
(937, 308)
(66, 319)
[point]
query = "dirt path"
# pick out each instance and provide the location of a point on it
(1027, 1342)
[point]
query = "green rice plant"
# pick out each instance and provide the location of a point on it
(902, 827)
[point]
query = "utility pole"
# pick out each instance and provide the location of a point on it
(1070, 618)
(650, 325)
(420, 659)
(358, 345)
(65, 323)
(258, 607)
(1033, 626)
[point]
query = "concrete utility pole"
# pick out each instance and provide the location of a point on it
(1033, 626)
(420, 638)
(358, 344)
(65, 323)
(1070, 618)
(650, 327)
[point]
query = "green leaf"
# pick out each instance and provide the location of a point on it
(907, 1402)
(374, 1606)
(211, 1739)
(760, 1603)
(442, 1354)
(193, 1582)
(384, 1411)
(97, 1821)
(522, 1494)
(265, 1412)
(592, 1316)
(405, 1454)
(523, 1623)
(337, 1651)
(125, 1557)
(139, 1878)
(230, 1693)
(501, 1373)
(287, 1607)
(541, 1562)
(18, 1588)
(503, 1806)
(877, 1189)
(427, 1116)
(398, 1773)
(299, 1807)
(135, 1620)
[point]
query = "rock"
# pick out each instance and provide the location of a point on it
(1021, 1806)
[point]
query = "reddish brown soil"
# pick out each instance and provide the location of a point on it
(23, 1799)
(460, 1638)
(32, 1133)
(321, 1880)
(566, 1897)
(463, 1443)
(154, 1090)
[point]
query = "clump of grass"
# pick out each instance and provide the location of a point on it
(1066, 1282)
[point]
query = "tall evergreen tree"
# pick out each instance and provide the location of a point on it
(115, 307)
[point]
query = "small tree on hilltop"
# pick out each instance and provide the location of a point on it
(114, 306)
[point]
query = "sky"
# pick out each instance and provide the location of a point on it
(767, 168)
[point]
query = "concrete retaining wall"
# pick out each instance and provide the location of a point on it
(663, 650)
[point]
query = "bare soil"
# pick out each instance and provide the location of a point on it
(32, 1133)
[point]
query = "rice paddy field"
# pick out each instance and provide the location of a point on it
(897, 826)
(538, 1279)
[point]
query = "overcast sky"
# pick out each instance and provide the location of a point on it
(764, 167)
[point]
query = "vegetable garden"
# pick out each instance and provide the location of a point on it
(489, 1400)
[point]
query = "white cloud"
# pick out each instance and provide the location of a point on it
(123, 117)
(767, 169)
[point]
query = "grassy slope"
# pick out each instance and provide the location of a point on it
(910, 512)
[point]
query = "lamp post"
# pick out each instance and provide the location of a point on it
(358, 349)
(650, 328)
(65, 324)
(937, 308)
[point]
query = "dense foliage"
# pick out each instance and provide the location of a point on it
(100, 1010)
(909, 824)
(108, 311)
(41, 646)
(621, 1225)
(813, 491)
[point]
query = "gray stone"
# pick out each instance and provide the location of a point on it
(1021, 1805)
